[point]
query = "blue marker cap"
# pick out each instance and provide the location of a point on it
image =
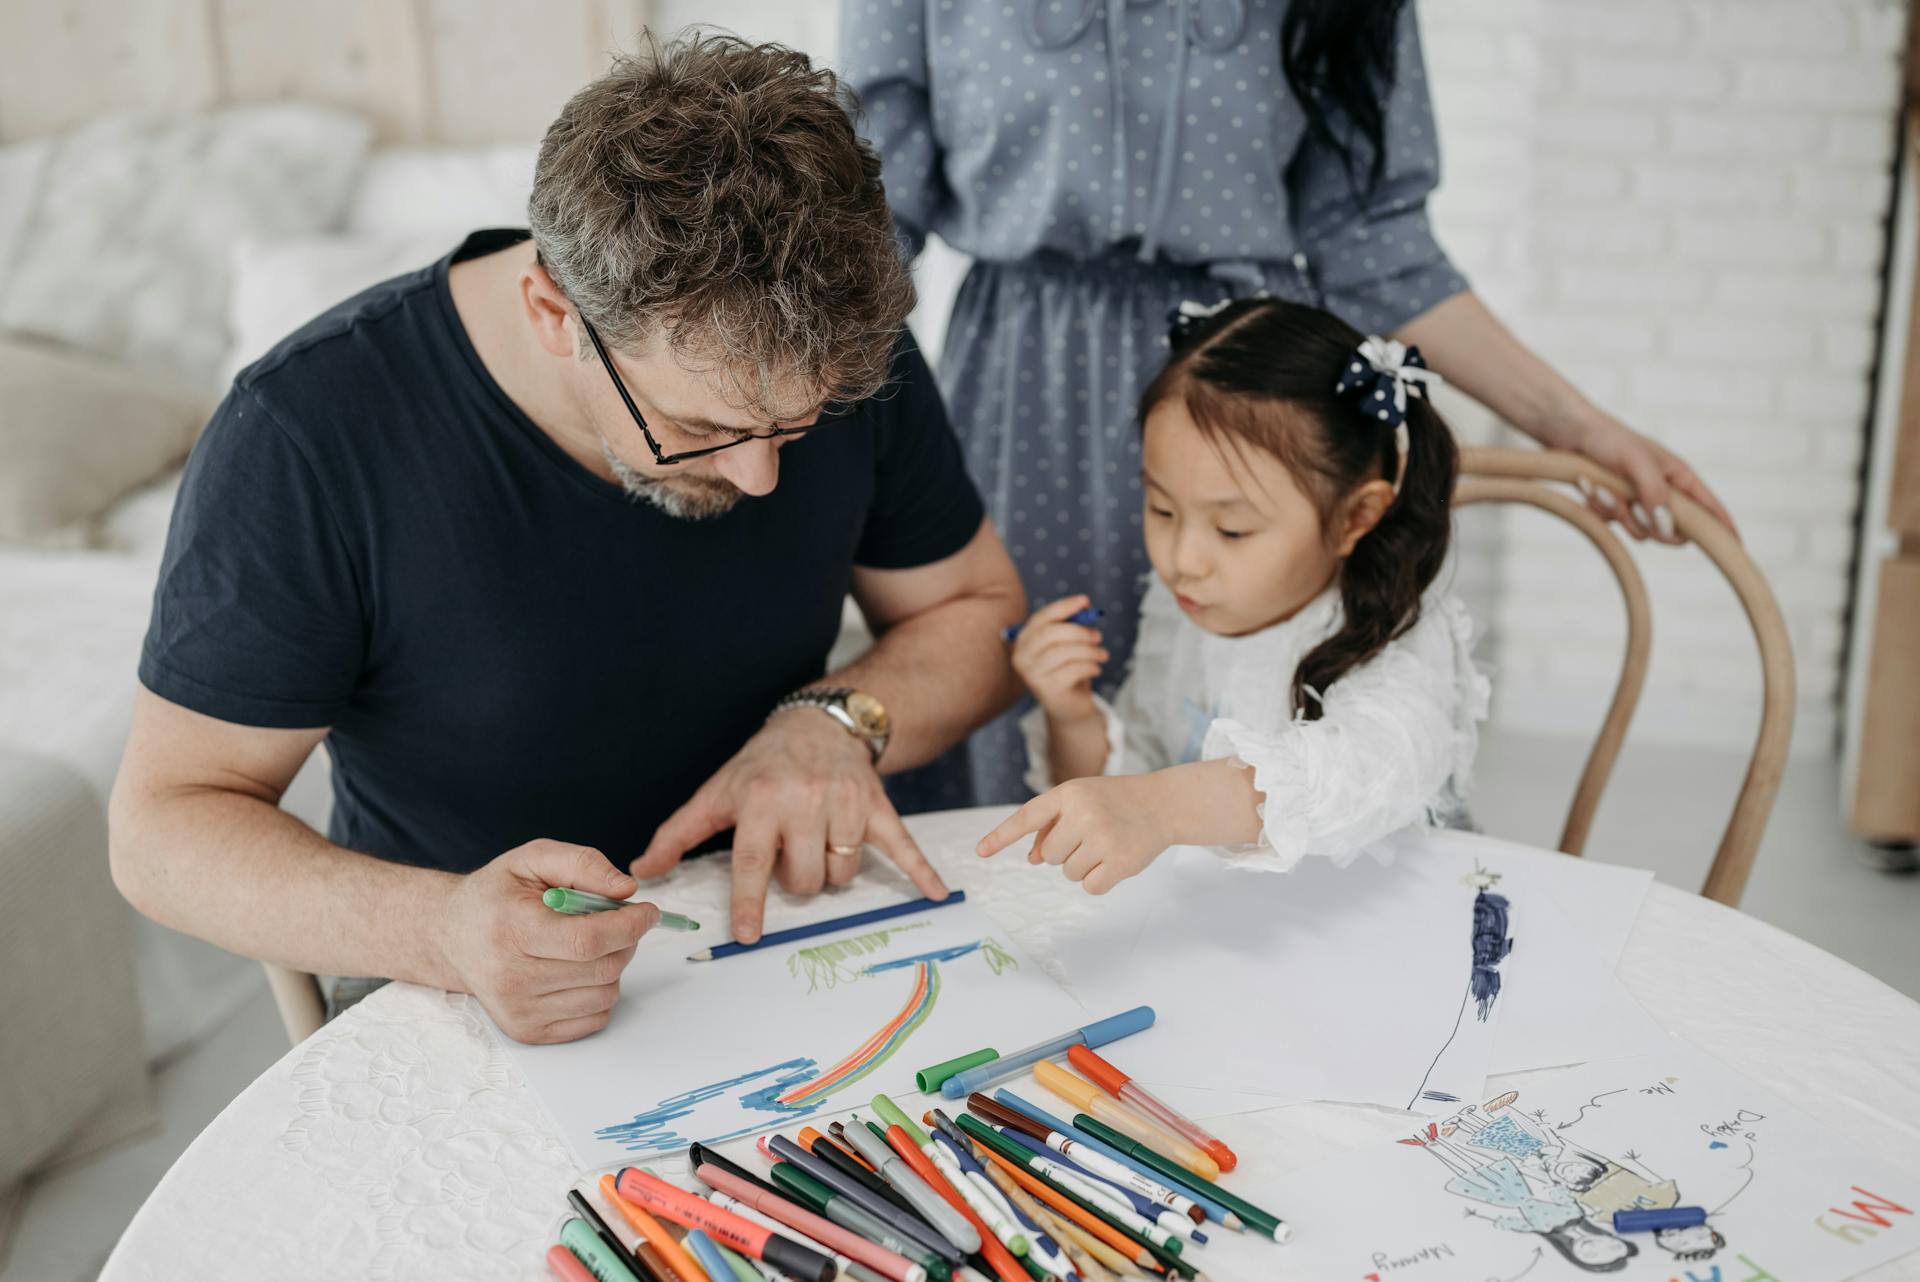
(1114, 1027)
(1676, 1217)
(1085, 618)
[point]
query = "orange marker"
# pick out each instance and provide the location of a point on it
(1094, 1102)
(652, 1234)
(992, 1250)
(1120, 1086)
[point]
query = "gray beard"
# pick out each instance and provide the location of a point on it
(685, 498)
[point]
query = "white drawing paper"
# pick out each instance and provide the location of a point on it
(1563, 1004)
(1369, 983)
(1525, 1184)
(715, 1050)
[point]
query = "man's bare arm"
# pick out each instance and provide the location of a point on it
(937, 661)
(198, 842)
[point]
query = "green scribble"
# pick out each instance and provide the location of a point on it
(997, 957)
(825, 964)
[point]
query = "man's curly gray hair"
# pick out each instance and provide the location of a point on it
(714, 193)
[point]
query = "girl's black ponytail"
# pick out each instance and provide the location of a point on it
(1390, 567)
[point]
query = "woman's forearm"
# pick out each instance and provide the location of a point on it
(1470, 348)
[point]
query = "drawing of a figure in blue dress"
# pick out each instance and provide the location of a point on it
(1516, 1181)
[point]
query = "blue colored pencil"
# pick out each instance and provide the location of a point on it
(827, 927)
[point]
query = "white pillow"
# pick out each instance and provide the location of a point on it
(281, 285)
(125, 251)
(78, 431)
(411, 189)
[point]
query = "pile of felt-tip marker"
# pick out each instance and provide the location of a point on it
(1000, 1190)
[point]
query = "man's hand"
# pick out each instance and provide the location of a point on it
(1099, 830)
(544, 976)
(800, 788)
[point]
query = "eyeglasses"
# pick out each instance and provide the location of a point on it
(660, 456)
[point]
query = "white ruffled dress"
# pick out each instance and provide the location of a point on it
(1394, 746)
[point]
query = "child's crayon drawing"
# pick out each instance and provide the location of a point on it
(724, 1049)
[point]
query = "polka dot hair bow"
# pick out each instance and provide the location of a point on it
(1377, 378)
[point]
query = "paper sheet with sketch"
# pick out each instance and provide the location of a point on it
(1525, 1185)
(1563, 1004)
(1369, 983)
(715, 1050)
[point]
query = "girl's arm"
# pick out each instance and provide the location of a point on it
(1393, 731)
(1077, 748)
(1470, 348)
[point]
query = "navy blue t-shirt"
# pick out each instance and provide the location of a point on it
(372, 537)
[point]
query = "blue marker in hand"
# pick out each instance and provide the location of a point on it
(1085, 618)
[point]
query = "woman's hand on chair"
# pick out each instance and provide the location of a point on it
(1654, 471)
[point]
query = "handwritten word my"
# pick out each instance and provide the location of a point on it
(1866, 1211)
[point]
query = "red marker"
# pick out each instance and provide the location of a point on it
(1120, 1086)
(671, 1202)
(566, 1266)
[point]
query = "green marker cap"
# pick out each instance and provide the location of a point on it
(890, 1114)
(810, 1192)
(929, 1079)
(578, 1236)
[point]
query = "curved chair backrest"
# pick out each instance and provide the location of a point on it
(1500, 475)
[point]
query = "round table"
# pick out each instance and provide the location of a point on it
(398, 1142)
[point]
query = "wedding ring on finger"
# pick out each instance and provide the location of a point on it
(842, 851)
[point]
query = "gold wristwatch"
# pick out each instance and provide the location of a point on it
(863, 716)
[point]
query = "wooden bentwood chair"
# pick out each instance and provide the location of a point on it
(1521, 476)
(1500, 475)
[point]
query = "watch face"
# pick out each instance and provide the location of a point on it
(869, 712)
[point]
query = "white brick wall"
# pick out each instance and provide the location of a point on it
(1706, 187)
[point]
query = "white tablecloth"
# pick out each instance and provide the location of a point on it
(397, 1143)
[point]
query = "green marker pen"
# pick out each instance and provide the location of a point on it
(578, 1236)
(563, 899)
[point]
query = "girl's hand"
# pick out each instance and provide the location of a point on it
(1653, 470)
(1058, 660)
(1099, 830)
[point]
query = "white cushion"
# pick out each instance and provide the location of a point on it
(77, 432)
(443, 189)
(125, 249)
(281, 285)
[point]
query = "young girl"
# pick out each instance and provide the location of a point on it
(1300, 684)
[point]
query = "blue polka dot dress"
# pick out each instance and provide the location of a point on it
(1102, 160)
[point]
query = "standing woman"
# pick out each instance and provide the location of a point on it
(1104, 160)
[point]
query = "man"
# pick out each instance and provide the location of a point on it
(539, 539)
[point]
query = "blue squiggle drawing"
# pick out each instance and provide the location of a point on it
(651, 1131)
